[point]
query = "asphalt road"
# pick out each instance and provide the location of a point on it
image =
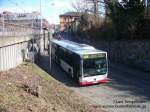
(127, 91)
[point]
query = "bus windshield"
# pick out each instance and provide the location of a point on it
(96, 66)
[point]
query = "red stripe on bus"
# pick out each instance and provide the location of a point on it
(90, 83)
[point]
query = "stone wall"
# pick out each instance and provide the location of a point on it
(135, 53)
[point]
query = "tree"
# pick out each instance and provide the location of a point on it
(86, 6)
(80, 6)
(126, 17)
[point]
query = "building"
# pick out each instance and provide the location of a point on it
(25, 19)
(19, 18)
(21, 24)
(67, 19)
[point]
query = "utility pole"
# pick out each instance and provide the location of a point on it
(33, 40)
(50, 37)
(49, 40)
(41, 15)
(3, 17)
(41, 22)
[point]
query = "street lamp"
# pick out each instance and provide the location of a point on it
(50, 58)
(3, 23)
(41, 21)
(41, 15)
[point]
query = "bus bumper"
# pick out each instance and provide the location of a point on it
(91, 83)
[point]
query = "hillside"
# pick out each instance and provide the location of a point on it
(29, 89)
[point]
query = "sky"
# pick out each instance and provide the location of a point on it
(51, 9)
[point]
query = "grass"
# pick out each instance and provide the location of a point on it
(41, 73)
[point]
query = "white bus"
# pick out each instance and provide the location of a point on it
(82, 62)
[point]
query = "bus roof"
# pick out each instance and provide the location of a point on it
(80, 49)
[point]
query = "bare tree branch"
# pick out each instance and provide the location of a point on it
(91, 6)
(80, 6)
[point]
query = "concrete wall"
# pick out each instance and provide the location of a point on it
(5, 41)
(12, 55)
(135, 53)
(13, 50)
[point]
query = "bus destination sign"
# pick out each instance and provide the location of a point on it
(100, 55)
